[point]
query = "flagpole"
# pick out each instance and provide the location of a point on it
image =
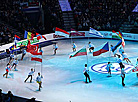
(41, 66)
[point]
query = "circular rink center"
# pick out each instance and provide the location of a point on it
(63, 79)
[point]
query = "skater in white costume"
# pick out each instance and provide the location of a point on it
(15, 63)
(124, 55)
(90, 46)
(30, 75)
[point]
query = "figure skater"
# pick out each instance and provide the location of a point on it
(30, 75)
(114, 51)
(86, 73)
(124, 55)
(11, 57)
(7, 70)
(90, 46)
(74, 46)
(55, 47)
(108, 68)
(123, 75)
(23, 53)
(15, 63)
(119, 60)
(121, 50)
(39, 81)
(40, 50)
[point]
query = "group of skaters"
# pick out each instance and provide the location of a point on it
(122, 56)
(12, 64)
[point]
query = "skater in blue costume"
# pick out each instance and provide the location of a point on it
(108, 68)
(55, 47)
(74, 46)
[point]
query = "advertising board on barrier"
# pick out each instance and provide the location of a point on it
(127, 36)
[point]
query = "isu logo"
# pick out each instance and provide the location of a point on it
(115, 69)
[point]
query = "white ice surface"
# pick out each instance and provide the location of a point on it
(63, 79)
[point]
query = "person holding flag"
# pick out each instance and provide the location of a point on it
(108, 68)
(123, 75)
(90, 46)
(74, 46)
(15, 63)
(23, 53)
(124, 55)
(30, 75)
(39, 80)
(86, 73)
(7, 70)
(55, 47)
(121, 50)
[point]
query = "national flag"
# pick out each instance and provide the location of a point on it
(11, 47)
(39, 36)
(123, 42)
(80, 52)
(101, 49)
(117, 45)
(16, 38)
(95, 33)
(76, 33)
(135, 70)
(61, 32)
(36, 56)
(27, 35)
(118, 36)
(32, 48)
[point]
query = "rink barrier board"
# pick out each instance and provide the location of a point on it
(51, 39)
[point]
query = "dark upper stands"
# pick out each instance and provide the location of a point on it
(101, 14)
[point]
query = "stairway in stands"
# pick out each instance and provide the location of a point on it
(68, 19)
(67, 15)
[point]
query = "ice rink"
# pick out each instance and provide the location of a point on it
(63, 79)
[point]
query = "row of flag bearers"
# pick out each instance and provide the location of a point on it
(96, 51)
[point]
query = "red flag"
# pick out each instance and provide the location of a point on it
(39, 36)
(32, 48)
(36, 59)
(36, 56)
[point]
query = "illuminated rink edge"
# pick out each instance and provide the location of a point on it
(115, 69)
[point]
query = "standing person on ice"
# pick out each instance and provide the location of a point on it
(90, 46)
(86, 73)
(121, 50)
(74, 46)
(7, 70)
(124, 55)
(114, 51)
(108, 68)
(15, 63)
(55, 47)
(123, 75)
(30, 75)
(11, 57)
(23, 53)
(119, 60)
(39, 81)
